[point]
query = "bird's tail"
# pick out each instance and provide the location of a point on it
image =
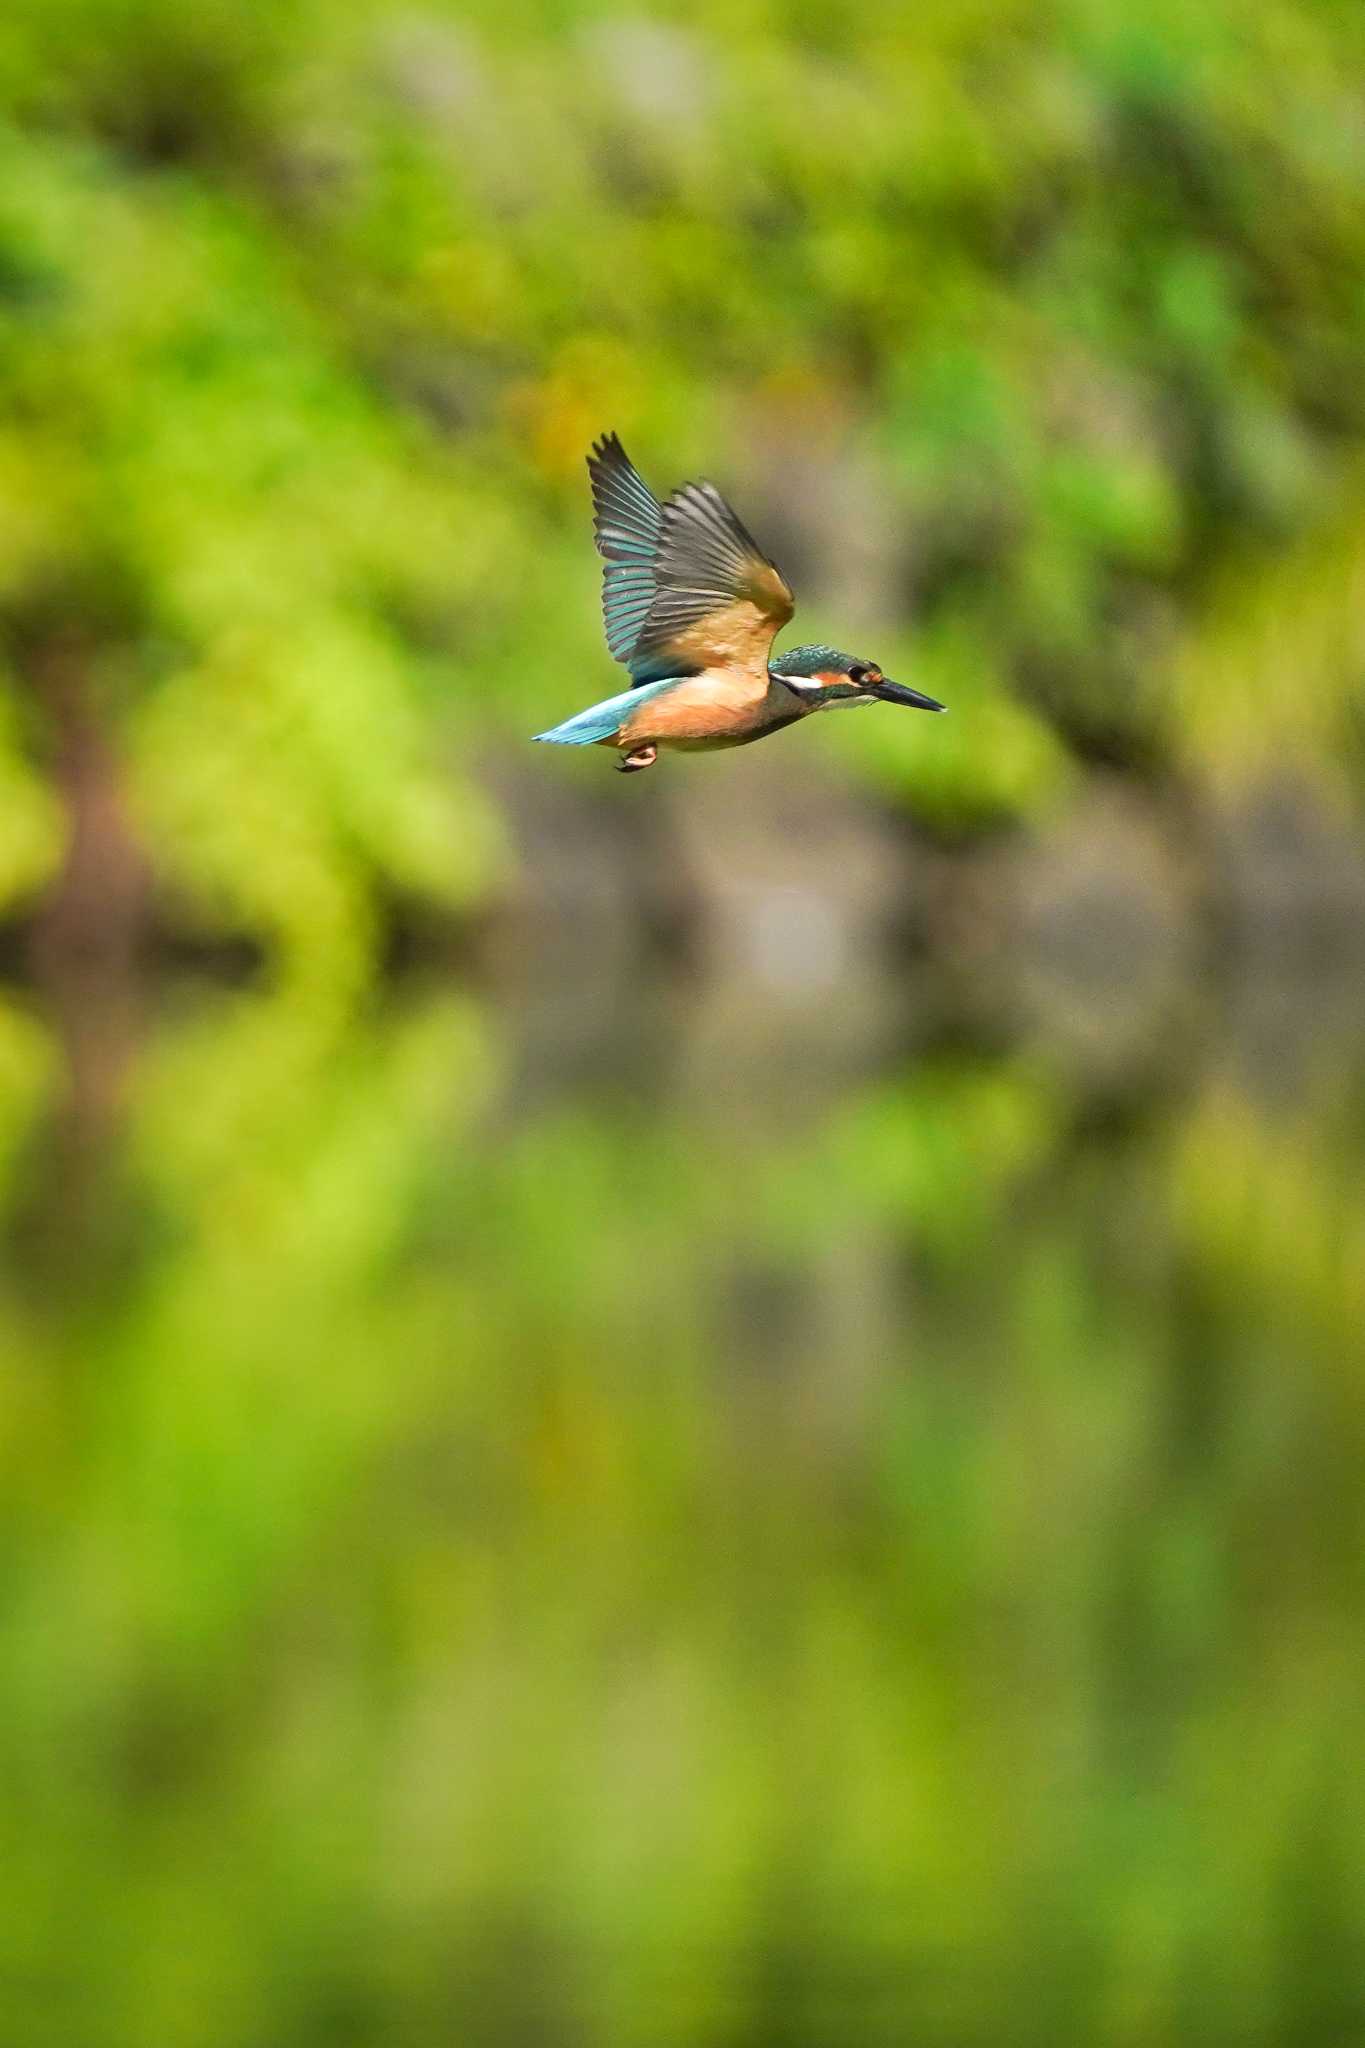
(602, 721)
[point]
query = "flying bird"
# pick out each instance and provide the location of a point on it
(692, 606)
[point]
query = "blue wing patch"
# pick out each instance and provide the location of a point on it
(602, 721)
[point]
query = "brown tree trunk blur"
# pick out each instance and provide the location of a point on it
(87, 941)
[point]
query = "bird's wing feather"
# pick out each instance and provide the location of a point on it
(686, 586)
(627, 527)
(719, 601)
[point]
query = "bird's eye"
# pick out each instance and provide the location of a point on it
(858, 674)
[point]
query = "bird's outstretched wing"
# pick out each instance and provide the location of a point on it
(627, 527)
(686, 585)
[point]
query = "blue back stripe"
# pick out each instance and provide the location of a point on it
(602, 721)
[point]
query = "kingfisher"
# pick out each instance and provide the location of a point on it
(692, 606)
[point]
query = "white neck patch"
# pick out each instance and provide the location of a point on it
(811, 686)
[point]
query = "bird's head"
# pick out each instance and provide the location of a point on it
(826, 679)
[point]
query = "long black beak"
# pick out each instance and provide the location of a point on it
(896, 693)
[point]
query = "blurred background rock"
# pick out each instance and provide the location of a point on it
(724, 1407)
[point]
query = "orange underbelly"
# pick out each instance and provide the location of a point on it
(729, 739)
(702, 715)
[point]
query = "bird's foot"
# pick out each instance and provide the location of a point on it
(638, 757)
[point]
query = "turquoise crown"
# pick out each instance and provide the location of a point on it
(813, 661)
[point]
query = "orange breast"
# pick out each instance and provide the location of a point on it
(716, 705)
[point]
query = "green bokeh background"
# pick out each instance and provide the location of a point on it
(590, 1456)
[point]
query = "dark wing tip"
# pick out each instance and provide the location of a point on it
(606, 448)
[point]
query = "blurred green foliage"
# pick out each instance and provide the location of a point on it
(488, 1561)
(307, 313)
(701, 1536)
